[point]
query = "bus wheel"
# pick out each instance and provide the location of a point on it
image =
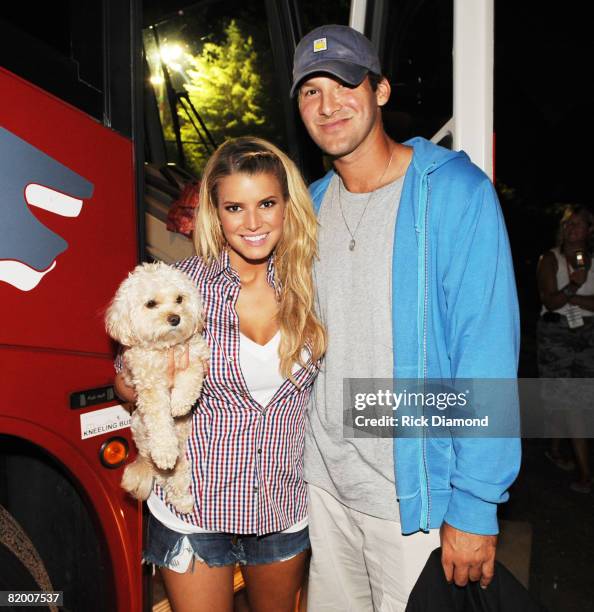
(22, 567)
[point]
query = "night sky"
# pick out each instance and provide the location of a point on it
(544, 99)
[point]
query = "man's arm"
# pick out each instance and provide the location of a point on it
(483, 342)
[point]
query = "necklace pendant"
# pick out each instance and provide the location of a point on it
(352, 245)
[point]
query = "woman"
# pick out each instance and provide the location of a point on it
(255, 240)
(566, 329)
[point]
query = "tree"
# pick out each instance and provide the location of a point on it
(225, 86)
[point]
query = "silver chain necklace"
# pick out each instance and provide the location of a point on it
(352, 243)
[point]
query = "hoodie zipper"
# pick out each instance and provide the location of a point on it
(425, 518)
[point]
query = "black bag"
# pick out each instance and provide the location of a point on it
(433, 593)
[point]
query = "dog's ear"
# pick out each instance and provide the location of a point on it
(118, 322)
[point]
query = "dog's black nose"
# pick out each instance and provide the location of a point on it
(173, 319)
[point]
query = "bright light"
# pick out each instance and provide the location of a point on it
(156, 79)
(170, 53)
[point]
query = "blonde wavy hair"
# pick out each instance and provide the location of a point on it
(294, 254)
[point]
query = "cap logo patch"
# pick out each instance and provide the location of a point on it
(319, 45)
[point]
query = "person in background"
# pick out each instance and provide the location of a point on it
(255, 238)
(565, 332)
(414, 281)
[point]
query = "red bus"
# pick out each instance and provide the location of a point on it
(68, 227)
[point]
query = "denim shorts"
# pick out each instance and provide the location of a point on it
(175, 551)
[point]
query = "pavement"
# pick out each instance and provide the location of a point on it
(553, 529)
(561, 522)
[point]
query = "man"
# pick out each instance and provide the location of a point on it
(414, 281)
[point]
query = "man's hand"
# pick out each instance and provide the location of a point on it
(467, 556)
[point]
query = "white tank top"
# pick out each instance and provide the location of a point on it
(260, 369)
(563, 278)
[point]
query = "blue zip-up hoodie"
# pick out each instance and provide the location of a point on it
(452, 274)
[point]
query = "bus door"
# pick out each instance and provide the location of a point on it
(217, 70)
(438, 57)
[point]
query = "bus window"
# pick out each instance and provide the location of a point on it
(213, 77)
(60, 50)
(415, 43)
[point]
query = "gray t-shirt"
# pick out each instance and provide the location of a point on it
(354, 301)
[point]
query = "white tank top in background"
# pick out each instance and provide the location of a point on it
(563, 279)
(260, 369)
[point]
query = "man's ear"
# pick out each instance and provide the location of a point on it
(382, 93)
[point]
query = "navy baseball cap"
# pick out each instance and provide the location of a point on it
(337, 50)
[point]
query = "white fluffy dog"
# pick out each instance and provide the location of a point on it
(156, 315)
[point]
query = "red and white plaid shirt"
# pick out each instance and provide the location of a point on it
(246, 459)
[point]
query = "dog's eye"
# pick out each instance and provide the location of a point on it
(151, 304)
(180, 299)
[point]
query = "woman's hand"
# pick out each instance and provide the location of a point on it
(206, 366)
(123, 391)
(578, 277)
